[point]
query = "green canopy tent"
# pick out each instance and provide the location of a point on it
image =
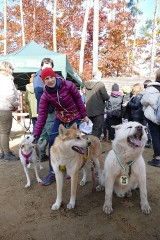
(27, 60)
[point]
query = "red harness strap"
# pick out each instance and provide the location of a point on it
(26, 156)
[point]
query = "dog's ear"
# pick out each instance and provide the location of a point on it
(62, 130)
(74, 126)
(117, 126)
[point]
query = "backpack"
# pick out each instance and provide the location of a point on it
(157, 111)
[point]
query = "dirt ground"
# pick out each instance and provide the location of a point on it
(26, 214)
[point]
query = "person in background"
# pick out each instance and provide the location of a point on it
(135, 105)
(114, 110)
(149, 141)
(126, 110)
(66, 99)
(38, 90)
(8, 102)
(96, 95)
(149, 102)
(31, 101)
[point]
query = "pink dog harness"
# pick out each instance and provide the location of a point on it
(26, 156)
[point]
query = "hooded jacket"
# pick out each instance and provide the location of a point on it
(8, 93)
(31, 101)
(135, 105)
(115, 107)
(96, 95)
(66, 98)
(149, 101)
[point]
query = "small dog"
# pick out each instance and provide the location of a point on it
(124, 167)
(69, 153)
(30, 153)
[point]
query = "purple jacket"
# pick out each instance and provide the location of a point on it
(66, 97)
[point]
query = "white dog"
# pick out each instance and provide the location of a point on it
(30, 153)
(124, 167)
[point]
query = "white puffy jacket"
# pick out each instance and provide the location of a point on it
(149, 101)
(8, 93)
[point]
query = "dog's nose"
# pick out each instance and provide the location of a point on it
(139, 127)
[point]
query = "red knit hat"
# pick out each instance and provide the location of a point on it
(47, 72)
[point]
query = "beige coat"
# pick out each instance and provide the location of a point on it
(31, 100)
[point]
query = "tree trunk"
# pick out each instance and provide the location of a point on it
(22, 23)
(95, 35)
(153, 49)
(54, 26)
(84, 31)
(5, 27)
(135, 36)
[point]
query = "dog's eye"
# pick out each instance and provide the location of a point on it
(78, 137)
(129, 127)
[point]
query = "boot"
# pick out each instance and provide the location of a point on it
(10, 156)
(1, 155)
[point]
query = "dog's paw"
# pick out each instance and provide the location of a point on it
(146, 208)
(82, 183)
(107, 209)
(55, 206)
(70, 205)
(39, 180)
(99, 188)
(27, 185)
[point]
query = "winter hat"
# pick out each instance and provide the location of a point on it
(47, 72)
(115, 87)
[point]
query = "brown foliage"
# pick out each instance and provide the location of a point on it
(115, 26)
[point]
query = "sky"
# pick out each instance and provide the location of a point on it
(148, 9)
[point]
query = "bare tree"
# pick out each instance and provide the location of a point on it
(135, 35)
(153, 50)
(84, 32)
(54, 26)
(5, 27)
(95, 35)
(22, 23)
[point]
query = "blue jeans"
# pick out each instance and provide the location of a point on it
(54, 134)
(47, 130)
(155, 133)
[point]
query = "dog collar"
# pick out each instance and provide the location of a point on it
(26, 156)
(129, 164)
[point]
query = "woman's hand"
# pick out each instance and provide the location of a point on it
(86, 119)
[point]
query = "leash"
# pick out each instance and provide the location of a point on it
(26, 156)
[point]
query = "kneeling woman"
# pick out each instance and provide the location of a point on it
(66, 99)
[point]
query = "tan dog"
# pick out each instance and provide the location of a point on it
(69, 153)
(125, 168)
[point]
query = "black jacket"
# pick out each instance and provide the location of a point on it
(135, 105)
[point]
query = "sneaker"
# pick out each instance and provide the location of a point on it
(49, 179)
(10, 156)
(44, 158)
(154, 162)
(1, 155)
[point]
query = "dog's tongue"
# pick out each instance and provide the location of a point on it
(137, 142)
(80, 150)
